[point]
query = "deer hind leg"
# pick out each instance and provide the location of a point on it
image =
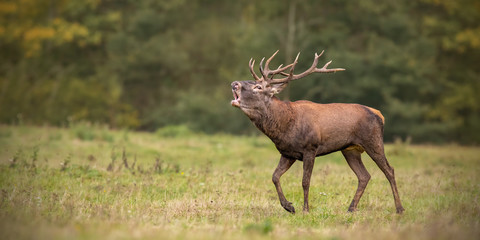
(283, 165)
(378, 155)
(308, 162)
(354, 160)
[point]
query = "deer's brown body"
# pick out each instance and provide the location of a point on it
(303, 130)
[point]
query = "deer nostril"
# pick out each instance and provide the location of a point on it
(235, 85)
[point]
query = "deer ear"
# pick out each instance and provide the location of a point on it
(277, 88)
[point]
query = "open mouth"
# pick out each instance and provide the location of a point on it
(236, 101)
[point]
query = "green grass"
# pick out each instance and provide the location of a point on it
(74, 183)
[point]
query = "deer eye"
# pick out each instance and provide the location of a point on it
(258, 87)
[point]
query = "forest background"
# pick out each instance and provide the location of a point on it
(148, 64)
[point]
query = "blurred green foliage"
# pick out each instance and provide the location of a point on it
(174, 131)
(149, 64)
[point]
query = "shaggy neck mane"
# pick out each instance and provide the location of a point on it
(275, 119)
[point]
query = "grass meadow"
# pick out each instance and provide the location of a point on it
(88, 182)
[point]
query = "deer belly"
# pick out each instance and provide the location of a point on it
(290, 152)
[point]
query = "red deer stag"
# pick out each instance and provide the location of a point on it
(303, 130)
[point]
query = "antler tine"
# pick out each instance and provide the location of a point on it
(319, 55)
(315, 60)
(290, 75)
(312, 69)
(269, 60)
(265, 69)
(280, 69)
(326, 65)
(295, 62)
(251, 63)
(325, 70)
(265, 76)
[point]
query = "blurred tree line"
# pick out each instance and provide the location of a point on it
(152, 63)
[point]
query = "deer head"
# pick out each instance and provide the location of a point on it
(254, 96)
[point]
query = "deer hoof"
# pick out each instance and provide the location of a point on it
(289, 207)
(400, 210)
(352, 207)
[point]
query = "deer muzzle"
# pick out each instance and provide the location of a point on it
(236, 86)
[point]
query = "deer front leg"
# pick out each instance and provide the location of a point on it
(308, 162)
(284, 164)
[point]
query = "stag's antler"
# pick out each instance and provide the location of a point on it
(267, 74)
(265, 71)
